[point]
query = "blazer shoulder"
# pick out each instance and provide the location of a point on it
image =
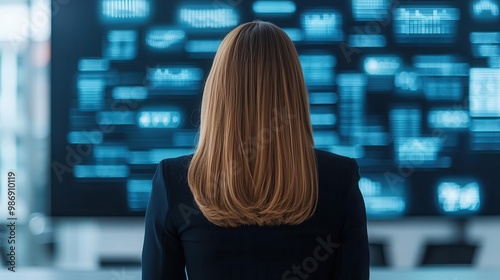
(336, 169)
(325, 157)
(175, 171)
(177, 163)
(179, 159)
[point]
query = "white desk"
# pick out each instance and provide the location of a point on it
(134, 274)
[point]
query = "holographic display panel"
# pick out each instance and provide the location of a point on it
(411, 89)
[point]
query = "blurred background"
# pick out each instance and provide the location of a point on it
(94, 93)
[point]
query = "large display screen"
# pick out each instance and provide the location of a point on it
(411, 89)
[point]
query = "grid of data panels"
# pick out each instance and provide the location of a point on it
(411, 89)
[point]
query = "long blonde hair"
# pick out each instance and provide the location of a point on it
(255, 162)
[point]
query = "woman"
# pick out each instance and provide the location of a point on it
(256, 200)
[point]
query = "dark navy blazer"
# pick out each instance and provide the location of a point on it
(332, 244)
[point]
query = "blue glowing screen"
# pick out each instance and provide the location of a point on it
(426, 24)
(410, 89)
(459, 196)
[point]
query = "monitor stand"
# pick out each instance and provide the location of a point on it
(459, 252)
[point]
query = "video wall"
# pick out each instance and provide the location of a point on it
(411, 89)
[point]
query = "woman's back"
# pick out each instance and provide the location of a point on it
(256, 200)
(332, 244)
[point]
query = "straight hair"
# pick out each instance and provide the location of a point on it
(255, 162)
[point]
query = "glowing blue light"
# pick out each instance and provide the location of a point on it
(367, 10)
(132, 92)
(443, 88)
(125, 11)
(323, 119)
(159, 119)
(484, 37)
(486, 125)
(203, 46)
(408, 81)
(355, 151)
(93, 64)
(121, 45)
(385, 206)
(351, 90)
(274, 7)
(295, 34)
(120, 36)
(174, 77)
(382, 200)
(324, 138)
(486, 44)
(448, 119)
(110, 152)
(425, 24)
(484, 93)
(208, 17)
(485, 10)
(165, 38)
(369, 187)
(317, 61)
(138, 193)
(84, 137)
(405, 122)
(352, 81)
(367, 41)
(115, 118)
(381, 65)
(417, 150)
(440, 65)
(184, 139)
(318, 69)
(156, 155)
(494, 62)
(486, 50)
(324, 25)
(322, 98)
(374, 135)
(485, 141)
(90, 93)
(318, 77)
(429, 16)
(458, 196)
(101, 171)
